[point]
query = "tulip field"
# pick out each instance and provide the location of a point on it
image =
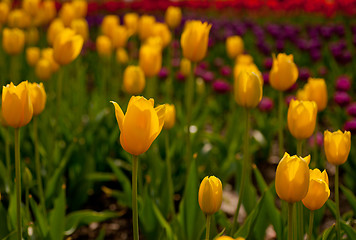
(178, 120)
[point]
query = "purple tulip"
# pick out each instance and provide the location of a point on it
(203, 65)
(315, 54)
(208, 76)
(342, 98)
(265, 77)
(176, 62)
(221, 86)
(163, 73)
(350, 126)
(180, 77)
(289, 98)
(266, 104)
(319, 139)
(267, 63)
(225, 71)
(280, 45)
(175, 44)
(343, 83)
(351, 109)
(304, 74)
(199, 72)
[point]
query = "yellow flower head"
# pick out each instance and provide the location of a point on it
(337, 146)
(54, 28)
(43, 69)
(170, 119)
(210, 195)
(32, 55)
(284, 72)
(150, 60)
(131, 23)
(319, 191)
(145, 26)
(67, 14)
(173, 16)
(316, 91)
(13, 41)
(234, 46)
(134, 80)
(80, 26)
(122, 56)
(248, 89)
(67, 46)
(119, 36)
(38, 97)
(108, 23)
(162, 31)
(104, 46)
(185, 67)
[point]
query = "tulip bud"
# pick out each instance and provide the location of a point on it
(161, 30)
(244, 59)
(54, 28)
(284, 72)
(47, 54)
(32, 55)
(38, 97)
(210, 195)
(301, 118)
(318, 192)
(185, 67)
(234, 46)
(141, 124)
(19, 19)
(292, 178)
(49, 8)
(170, 119)
(150, 60)
(337, 146)
(80, 8)
(16, 106)
(131, 23)
(194, 40)
(134, 80)
(13, 41)
(27, 178)
(104, 46)
(119, 36)
(316, 91)
(67, 14)
(173, 16)
(31, 6)
(145, 25)
(43, 69)
(108, 23)
(80, 26)
(247, 89)
(4, 12)
(122, 56)
(67, 46)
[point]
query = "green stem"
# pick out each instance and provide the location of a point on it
(311, 223)
(208, 220)
(246, 168)
(315, 148)
(152, 87)
(18, 182)
(300, 215)
(7, 154)
(38, 163)
(299, 147)
(27, 192)
(134, 198)
(290, 221)
(281, 123)
(59, 93)
(337, 202)
(15, 69)
(169, 174)
(189, 90)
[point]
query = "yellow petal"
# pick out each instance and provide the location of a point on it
(119, 114)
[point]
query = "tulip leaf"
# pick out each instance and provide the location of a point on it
(41, 221)
(332, 206)
(163, 222)
(57, 216)
(84, 217)
(3, 228)
(348, 229)
(328, 232)
(350, 197)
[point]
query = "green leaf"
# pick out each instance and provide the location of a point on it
(164, 223)
(3, 228)
(328, 232)
(101, 235)
(348, 229)
(350, 197)
(84, 217)
(57, 216)
(332, 206)
(41, 221)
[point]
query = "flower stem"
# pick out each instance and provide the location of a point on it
(311, 223)
(169, 175)
(337, 203)
(18, 182)
(152, 87)
(290, 221)
(300, 225)
(189, 90)
(38, 163)
(246, 168)
(134, 198)
(7, 154)
(299, 147)
(315, 147)
(281, 123)
(208, 220)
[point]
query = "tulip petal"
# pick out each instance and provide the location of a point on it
(161, 113)
(119, 114)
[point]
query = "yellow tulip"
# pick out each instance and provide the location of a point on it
(318, 192)
(108, 23)
(185, 67)
(302, 95)
(43, 69)
(49, 8)
(292, 178)
(234, 46)
(244, 59)
(80, 26)
(119, 36)
(13, 41)
(104, 46)
(301, 118)
(131, 23)
(173, 16)
(122, 56)
(141, 124)
(150, 60)
(161, 30)
(16, 106)
(54, 28)
(80, 8)
(19, 19)
(210, 195)
(316, 91)
(194, 40)
(38, 97)
(337, 146)
(32, 55)
(284, 72)
(134, 80)
(67, 14)
(170, 119)
(67, 46)
(4, 12)
(145, 26)
(32, 36)
(31, 6)
(250, 67)
(154, 41)
(248, 89)
(47, 53)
